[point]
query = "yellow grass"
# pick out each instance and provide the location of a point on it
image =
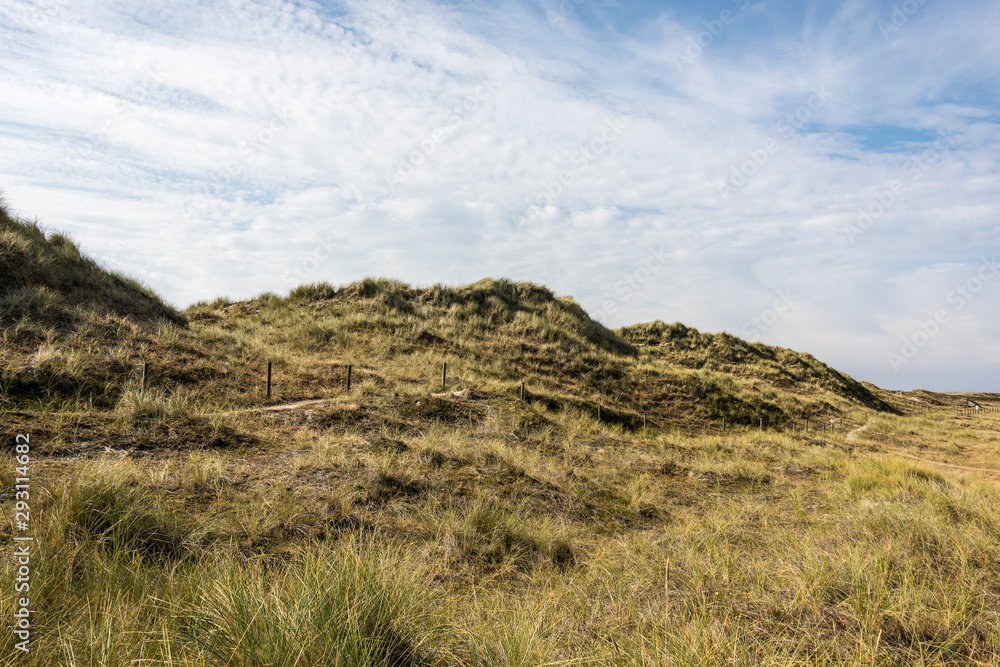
(198, 523)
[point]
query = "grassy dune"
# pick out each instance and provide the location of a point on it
(197, 522)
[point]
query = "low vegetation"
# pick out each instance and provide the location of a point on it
(605, 518)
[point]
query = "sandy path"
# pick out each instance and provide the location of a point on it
(850, 435)
(275, 408)
(990, 473)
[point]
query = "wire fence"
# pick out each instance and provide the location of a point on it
(634, 418)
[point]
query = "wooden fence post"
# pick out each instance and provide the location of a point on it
(349, 369)
(145, 375)
(444, 375)
(666, 593)
(522, 390)
(269, 379)
(761, 423)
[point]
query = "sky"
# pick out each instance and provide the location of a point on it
(819, 175)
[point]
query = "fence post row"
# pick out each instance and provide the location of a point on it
(444, 383)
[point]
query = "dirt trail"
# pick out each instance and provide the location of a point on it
(990, 473)
(850, 435)
(276, 408)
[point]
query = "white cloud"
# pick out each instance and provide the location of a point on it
(227, 147)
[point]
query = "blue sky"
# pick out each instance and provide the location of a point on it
(818, 175)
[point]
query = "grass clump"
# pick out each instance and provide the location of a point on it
(351, 606)
(136, 405)
(106, 507)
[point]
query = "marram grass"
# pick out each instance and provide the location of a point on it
(411, 521)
